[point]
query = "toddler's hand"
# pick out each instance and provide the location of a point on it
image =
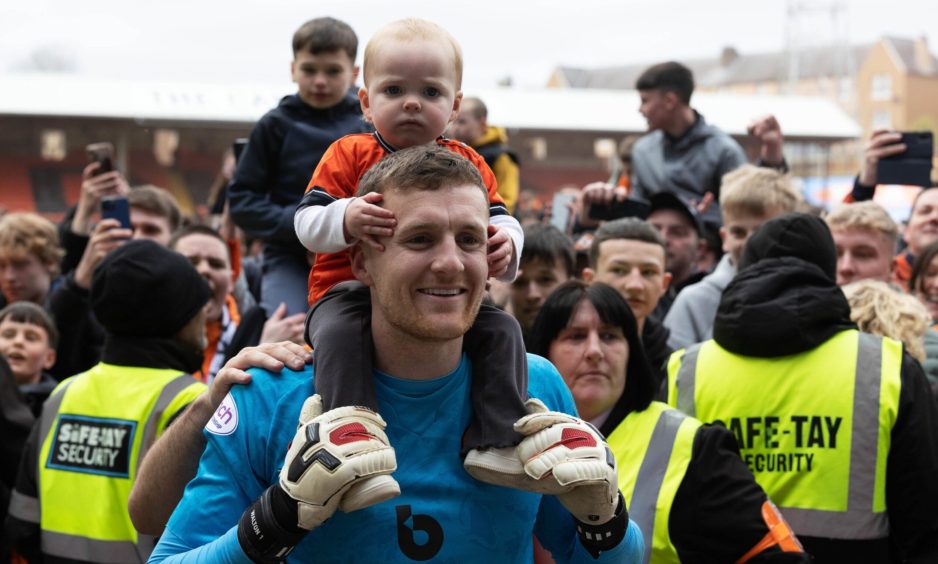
(367, 222)
(500, 251)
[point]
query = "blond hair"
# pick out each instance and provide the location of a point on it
(879, 309)
(756, 190)
(24, 233)
(409, 30)
(864, 215)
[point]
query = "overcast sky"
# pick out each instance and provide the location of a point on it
(249, 40)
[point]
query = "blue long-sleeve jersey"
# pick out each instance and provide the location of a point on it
(442, 514)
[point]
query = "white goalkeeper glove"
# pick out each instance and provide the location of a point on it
(568, 458)
(340, 459)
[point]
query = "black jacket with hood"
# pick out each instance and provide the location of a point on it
(785, 301)
(283, 151)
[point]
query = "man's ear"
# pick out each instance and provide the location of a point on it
(365, 103)
(665, 282)
(49, 360)
(355, 71)
(671, 99)
(588, 275)
(292, 70)
(359, 268)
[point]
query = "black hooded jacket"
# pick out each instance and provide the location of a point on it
(785, 301)
(284, 148)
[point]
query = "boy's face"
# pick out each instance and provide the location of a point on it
(23, 277)
(736, 230)
(411, 93)
(634, 268)
(862, 253)
(536, 280)
(150, 226)
(323, 79)
(26, 348)
(657, 107)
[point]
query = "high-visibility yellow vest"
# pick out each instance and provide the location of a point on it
(813, 427)
(653, 449)
(94, 429)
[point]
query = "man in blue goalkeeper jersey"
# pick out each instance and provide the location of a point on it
(269, 490)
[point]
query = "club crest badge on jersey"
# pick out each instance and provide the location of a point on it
(225, 419)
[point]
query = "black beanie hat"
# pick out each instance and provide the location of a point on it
(142, 289)
(797, 235)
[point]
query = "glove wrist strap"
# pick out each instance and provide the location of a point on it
(267, 531)
(598, 538)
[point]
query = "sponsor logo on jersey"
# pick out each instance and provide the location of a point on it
(92, 445)
(225, 419)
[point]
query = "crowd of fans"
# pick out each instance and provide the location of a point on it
(622, 299)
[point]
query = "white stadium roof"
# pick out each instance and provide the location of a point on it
(68, 95)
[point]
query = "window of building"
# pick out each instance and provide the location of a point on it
(881, 87)
(845, 89)
(882, 119)
(604, 147)
(52, 144)
(538, 146)
(165, 143)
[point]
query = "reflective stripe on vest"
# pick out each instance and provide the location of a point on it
(23, 507)
(95, 429)
(653, 449)
(790, 415)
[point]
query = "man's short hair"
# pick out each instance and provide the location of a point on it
(625, 228)
(408, 30)
(864, 215)
(670, 77)
(25, 233)
(325, 35)
(475, 106)
(156, 201)
(549, 245)
(32, 314)
(424, 168)
(757, 190)
(197, 229)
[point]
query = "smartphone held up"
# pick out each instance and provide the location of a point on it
(911, 167)
(103, 154)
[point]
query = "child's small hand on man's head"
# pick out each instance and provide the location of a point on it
(366, 221)
(500, 251)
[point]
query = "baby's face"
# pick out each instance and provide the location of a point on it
(411, 93)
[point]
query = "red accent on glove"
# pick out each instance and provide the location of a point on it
(349, 434)
(575, 438)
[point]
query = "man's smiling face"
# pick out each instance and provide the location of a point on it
(429, 281)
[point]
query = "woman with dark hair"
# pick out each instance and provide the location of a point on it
(923, 284)
(684, 483)
(924, 281)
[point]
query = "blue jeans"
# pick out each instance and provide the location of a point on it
(284, 279)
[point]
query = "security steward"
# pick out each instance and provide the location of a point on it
(690, 493)
(838, 426)
(70, 500)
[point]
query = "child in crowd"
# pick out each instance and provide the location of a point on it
(412, 77)
(749, 197)
(286, 144)
(28, 338)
